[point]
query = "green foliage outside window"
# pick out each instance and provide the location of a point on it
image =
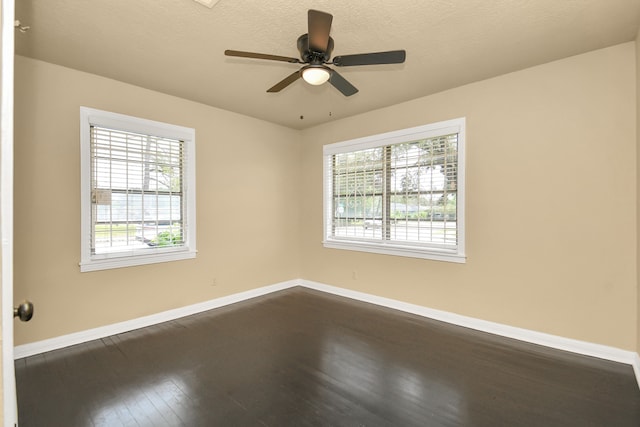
(166, 238)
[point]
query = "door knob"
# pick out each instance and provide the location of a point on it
(24, 311)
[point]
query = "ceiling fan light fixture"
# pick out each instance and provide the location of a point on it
(315, 52)
(316, 75)
(208, 3)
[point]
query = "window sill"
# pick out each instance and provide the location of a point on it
(397, 250)
(134, 260)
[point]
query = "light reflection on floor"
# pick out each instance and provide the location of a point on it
(167, 398)
(357, 368)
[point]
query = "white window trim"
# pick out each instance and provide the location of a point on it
(89, 262)
(388, 247)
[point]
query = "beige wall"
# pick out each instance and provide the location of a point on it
(551, 202)
(247, 207)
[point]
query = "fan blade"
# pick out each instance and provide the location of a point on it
(390, 57)
(261, 56)
(285, 82)
(342, 84)
(319, 28)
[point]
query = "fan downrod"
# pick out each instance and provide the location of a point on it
(308, 56)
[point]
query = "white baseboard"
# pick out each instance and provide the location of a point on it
(38, 347)
(548, 340)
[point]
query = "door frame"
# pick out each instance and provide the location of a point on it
(9, 399)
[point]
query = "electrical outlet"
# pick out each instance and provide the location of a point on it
(354, 275)
(214, 282)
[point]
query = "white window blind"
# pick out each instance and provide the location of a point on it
(398, 193)
(138, 185)
(136, 191)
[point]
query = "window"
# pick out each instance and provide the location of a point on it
(398, 193)
(138, 191)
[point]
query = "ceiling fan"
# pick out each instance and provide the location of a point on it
(315, 51)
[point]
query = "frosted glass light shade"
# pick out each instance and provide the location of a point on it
(315, 75)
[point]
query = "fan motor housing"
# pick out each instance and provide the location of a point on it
(311, 57)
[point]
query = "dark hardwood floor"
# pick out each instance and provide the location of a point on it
(304, 358)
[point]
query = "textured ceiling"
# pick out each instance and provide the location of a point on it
(176, 46)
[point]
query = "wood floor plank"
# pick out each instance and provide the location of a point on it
(304, 358)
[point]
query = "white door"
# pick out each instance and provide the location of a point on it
(9, 401)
